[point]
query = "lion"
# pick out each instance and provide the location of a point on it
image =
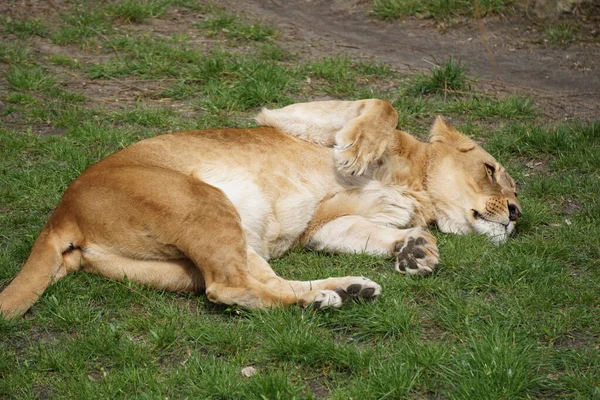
(205, 210)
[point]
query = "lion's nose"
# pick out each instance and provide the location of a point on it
(513, 212)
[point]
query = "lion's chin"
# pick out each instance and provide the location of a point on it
(497, 232)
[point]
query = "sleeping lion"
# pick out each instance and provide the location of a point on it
(205, 210)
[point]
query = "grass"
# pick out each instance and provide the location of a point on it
(451, 76)
(13, 53)
(516, 321)
(29, 79)
(560, 34)
(80, 25)
(438, 9)
(137, 11)
(24, 28)
(234, 28)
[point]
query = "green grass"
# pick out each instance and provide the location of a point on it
(63, 61)
(137, 11)
(234, 28)
(29, 79)
(80, 26)
(24, 28)
(516, 321)
(438, 9)
(449, 77)
(14, 53)
(343, 78)
(560, 34)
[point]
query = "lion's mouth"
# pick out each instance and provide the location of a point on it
(499, 232)
(478, 215)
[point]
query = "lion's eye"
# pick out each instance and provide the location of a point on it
(491, 171)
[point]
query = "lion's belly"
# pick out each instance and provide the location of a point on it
(275, 181)
(274, 210)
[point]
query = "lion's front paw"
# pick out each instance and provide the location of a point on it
(359, 288)
(417, 254)
(354, 155)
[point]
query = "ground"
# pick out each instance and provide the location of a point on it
(505, 53)
(81, 79)
(518, 58)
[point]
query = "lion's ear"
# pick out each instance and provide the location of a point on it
(443, 131)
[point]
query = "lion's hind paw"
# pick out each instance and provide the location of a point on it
(360, 289)
(325, 299)
(341, 291)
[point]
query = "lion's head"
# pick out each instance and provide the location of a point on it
(470, 190)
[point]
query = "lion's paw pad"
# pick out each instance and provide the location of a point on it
(417, 255)
(362, 288)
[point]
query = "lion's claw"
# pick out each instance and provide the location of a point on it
(355, 157)
(417, 254)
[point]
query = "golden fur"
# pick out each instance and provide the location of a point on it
(205, 210)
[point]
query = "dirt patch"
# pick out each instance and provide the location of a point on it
(565, 79)
(318, 388)
(187, 305)
(571, 207)
(14, 121)
(536, 166)
(574, 341)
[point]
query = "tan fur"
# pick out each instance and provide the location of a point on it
(205, 210)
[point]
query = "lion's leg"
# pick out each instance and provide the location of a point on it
(347, 287)
(212, 237)
(415, 249)
(182, 275)
(142, 223)
(179, 275)
(234, 284)
(360, 131)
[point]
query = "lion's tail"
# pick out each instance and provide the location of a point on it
(45, 265)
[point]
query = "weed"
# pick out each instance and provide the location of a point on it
(392, 9)
(80, 25)
(437, 9)
(512, 107)
(411, 109)
(14, 53)
(276, 385)
(373, 68)
(143, 116)
(24, 28)
(270, 52)
(449, 77)
(63, 61)
(233, 28)
(331, 69)
(342, 75)
(560, 33)
(181, 89)
(30, 79)
(137, 11)
(21, 98)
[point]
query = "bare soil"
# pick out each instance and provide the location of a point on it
(505, 54)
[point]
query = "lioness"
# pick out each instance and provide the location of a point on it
(206, 209)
